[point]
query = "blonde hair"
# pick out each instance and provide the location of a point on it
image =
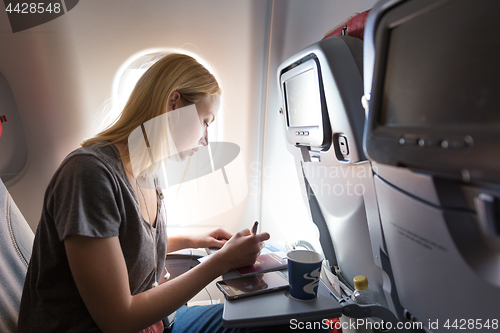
(149, 99)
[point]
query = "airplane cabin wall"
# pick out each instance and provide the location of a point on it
(62, 72)
(295, 25)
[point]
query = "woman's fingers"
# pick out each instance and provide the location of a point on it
(262, 236)
(221, 234)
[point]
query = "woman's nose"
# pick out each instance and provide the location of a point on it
(204, 139)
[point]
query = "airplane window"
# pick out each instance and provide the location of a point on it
(14, 147)
(208, 183)
(132, 70)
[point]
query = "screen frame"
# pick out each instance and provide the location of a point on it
(307, 136)
(459, 152)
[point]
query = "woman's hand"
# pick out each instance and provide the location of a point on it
(216, 238)
(241, 250)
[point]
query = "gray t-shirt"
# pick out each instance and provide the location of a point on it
(89, 195)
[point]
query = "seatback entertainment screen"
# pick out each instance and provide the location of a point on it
(303, 100)
(434, 95)
(442, 74)
(304, 104)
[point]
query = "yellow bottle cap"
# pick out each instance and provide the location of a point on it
(360, 282)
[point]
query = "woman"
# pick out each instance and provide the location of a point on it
(100, 244)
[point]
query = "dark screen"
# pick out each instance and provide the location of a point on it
(441, 73)
(255, 283)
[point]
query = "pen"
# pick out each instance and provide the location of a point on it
(254, 227)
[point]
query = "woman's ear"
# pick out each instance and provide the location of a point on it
(173, 100)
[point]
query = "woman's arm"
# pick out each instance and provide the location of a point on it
(100, 273)
(216, 238)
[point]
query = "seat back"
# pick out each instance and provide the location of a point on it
(16, 242)
(433, 136)
(338, 178)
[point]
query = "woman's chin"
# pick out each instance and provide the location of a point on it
(182, 155)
